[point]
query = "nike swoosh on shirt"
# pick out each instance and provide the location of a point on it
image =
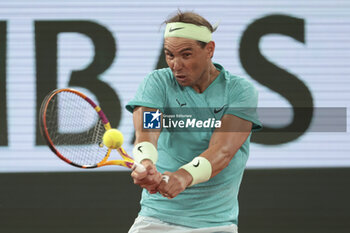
(219, 110)
(174, 29)
(180, 103)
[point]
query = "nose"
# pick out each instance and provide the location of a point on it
(177, 64)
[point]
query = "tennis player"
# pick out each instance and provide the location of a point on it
(204, 167)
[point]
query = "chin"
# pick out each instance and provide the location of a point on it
(183, 82)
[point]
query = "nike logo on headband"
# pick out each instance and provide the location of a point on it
(174, 29)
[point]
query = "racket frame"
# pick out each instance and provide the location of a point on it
(127, 160)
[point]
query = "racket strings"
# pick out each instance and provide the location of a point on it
(75, 129)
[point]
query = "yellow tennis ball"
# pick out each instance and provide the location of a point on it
(113, 138)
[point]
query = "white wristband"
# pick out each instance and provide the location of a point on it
(145, 150)
(199, 168)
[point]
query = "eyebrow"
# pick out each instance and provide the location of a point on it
(183, 50)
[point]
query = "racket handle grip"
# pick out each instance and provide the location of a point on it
(138, 167)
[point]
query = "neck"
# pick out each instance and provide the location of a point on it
(207, 78)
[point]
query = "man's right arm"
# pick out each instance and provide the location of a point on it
(151, 178)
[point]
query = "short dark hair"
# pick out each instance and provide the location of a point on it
(193, 18)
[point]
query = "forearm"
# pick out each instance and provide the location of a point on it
(151, 137)
(142, 135)
(223, 145)
(220, 154)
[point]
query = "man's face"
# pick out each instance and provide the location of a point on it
(188, 61)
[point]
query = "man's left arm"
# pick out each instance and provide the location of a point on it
(223, 145)
(226, 141)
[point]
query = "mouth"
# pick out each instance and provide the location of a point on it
(180, 77)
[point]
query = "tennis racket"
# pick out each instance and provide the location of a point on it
(73, 127)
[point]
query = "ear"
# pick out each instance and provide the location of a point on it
(210, 48)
